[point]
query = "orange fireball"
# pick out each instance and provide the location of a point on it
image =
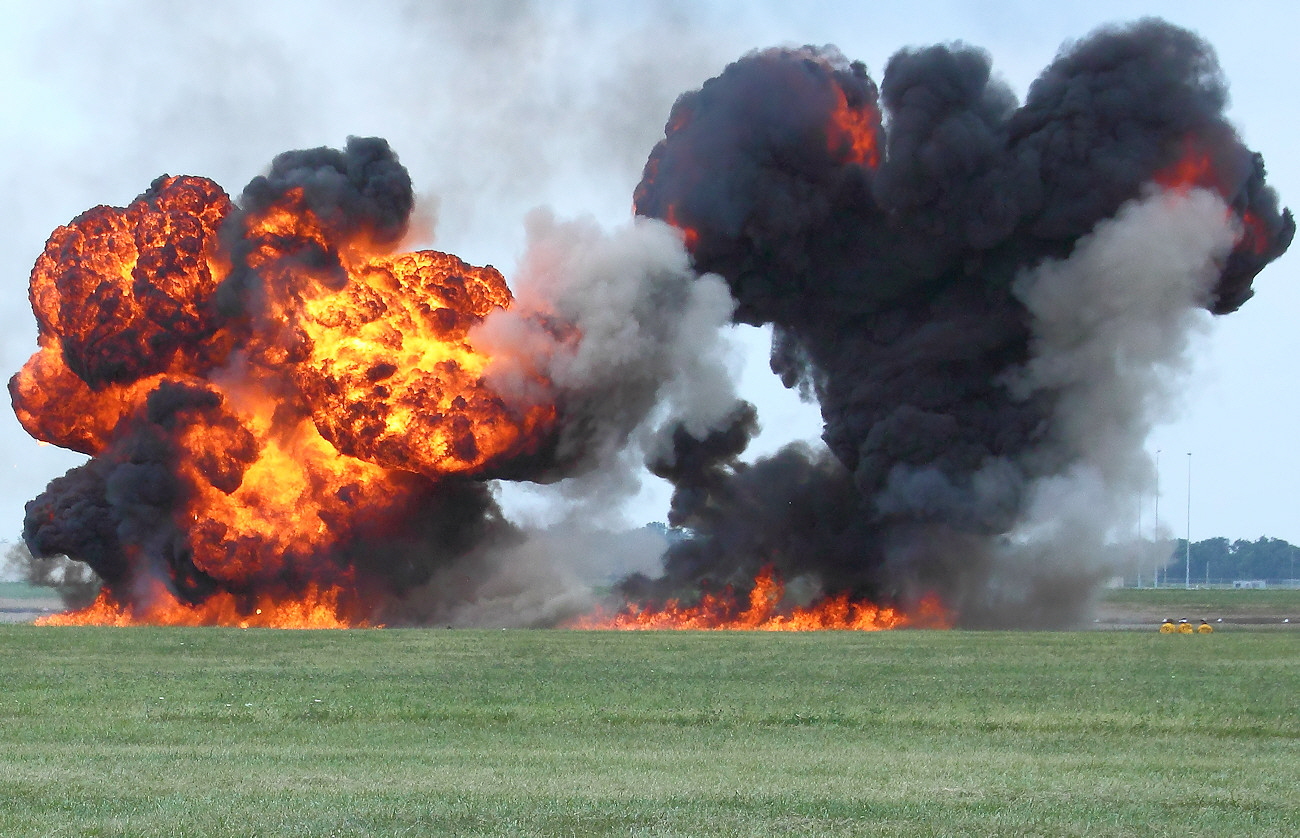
(262, 389)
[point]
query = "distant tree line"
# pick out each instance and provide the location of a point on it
(1270, 559)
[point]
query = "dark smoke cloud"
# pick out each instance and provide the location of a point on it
(362, 189)
(898, 294)
(793, 511)
(360, 192)
(118, 509)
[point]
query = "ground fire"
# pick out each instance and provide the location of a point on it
(292, 423)
(767, 610)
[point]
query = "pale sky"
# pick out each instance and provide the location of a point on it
(498, 107)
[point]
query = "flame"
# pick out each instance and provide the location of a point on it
(314, 609)
(852, 133)
(392, 378)
(690, 235)
(721, 613)
(58, 408)
(1254, 233)
(117, 294)
(285, 426)
(1196, 168)
(1193, 168)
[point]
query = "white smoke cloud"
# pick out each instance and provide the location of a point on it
(617, 330)
(1113, 327)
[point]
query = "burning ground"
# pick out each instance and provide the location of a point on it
(292, 422)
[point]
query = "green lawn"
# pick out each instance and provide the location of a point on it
(214, 732)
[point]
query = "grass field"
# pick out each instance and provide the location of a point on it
(1210, 600)
(215, 732)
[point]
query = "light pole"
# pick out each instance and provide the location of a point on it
(1187, 579)
(1156, 574)
(1141, 536)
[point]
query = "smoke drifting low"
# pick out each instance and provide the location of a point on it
(986, 299)
(989, 300)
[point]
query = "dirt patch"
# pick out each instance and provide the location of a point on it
(1252, 615)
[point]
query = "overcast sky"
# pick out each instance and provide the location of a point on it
(497, 107)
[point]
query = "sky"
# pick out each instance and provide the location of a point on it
(500, 107)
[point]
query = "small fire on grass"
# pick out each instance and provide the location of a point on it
(316, 609)
(722, 612)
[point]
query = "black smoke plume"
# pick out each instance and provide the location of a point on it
(913, 288)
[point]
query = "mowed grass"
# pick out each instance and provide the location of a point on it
(215, 732)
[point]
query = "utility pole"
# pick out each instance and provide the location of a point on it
(1156, 573)
(1187, 580)
(1140, 537)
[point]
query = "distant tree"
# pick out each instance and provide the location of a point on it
(1217, 551)
(1265, 558)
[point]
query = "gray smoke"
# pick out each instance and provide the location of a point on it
(1111, 328)
(617, 329)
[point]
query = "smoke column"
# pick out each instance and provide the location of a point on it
(986, 298)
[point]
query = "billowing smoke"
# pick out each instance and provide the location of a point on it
(643, 340)
(989, 300)
(627, 340)
(282, 410)
(618, 330)
(986, 298)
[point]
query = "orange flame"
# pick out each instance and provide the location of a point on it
(852, 135)
(720, 613)
(690, 235)
(314, 609)
(1192, 169)
(302, 419)
(1195, 168)
(1254, 233)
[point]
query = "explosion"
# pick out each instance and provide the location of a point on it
(258, 386)
(291, 423)
(988, 302)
